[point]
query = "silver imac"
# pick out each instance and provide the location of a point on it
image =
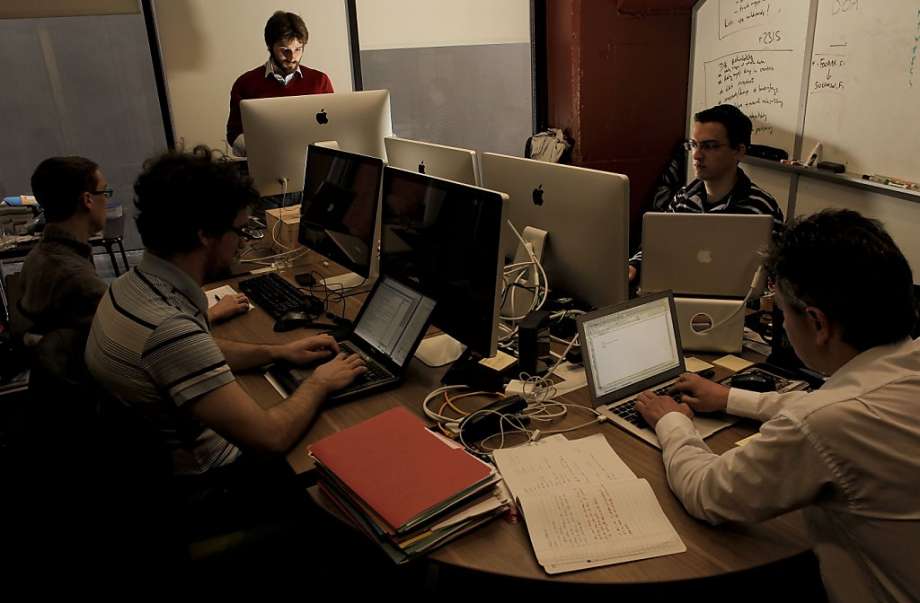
(278, 131)
(450, 163)
(585, 213)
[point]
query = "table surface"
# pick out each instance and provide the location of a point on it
(502, 546)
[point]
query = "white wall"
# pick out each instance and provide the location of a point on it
(384, 24)
(207, 44)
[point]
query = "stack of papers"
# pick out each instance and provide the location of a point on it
(583, 506)
(406, 487)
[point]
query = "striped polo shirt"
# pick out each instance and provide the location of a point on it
(151, 347)
(744, 198)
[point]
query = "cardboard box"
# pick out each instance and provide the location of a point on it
(286, 233)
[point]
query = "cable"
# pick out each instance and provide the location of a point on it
(519, 270)
(755, 284)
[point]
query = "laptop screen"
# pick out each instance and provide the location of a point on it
(632, 345)
(393, 319)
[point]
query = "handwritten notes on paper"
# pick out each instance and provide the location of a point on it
(583, 506)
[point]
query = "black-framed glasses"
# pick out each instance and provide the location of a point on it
(245, 233)
(106, 192)
(704, 145)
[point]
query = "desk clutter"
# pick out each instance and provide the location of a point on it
(583, 506)
(407, 488)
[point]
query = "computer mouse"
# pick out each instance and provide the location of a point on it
(294, 319)
(755, 382)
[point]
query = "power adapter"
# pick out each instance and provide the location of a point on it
(481, 425)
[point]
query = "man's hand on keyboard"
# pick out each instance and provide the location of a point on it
(307, 350)
(337, 373)
(652, 407)
(702, 395)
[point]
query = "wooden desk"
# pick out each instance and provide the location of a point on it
(502, 547)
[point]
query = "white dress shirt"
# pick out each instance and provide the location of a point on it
(849, 453)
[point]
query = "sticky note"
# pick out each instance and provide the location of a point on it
(695, 365)
(732, 363)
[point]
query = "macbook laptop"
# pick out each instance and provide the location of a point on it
(387, 331)
(710, 255)
(632, 347)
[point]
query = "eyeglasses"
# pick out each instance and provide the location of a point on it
(242, 232)
(246, 234)
(106, 192)
(704, 145)
(295, 50)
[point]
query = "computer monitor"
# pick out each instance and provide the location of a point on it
(450, 163)
(443, 238)
(338, 214)
(278, 131)
(585, 212)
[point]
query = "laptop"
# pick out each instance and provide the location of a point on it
(632, 347)
(387, 331)
(708, 255)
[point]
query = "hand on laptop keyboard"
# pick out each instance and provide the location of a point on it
(654, 405)
(337, 373)
(307, 350)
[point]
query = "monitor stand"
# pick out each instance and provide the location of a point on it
(536, 240)
(439, 350)
(343, 281)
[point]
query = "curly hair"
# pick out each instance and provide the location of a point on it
(180, 194)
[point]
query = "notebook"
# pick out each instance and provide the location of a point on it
(386, 334)
(702, 254)
(632, 347)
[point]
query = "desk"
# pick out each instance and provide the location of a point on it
(502, 547)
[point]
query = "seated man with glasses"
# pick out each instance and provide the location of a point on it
(286, 36)
(59, 285)
(151, 345)
(845, 453)
(721, 136)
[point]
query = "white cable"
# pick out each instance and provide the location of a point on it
(537, 300)
(755, 282)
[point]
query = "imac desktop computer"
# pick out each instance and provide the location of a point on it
(450, 163)
(443, 239)
(583, 218)
(278, 131)
(338, 214)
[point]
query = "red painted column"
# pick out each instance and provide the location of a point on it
(618, 74)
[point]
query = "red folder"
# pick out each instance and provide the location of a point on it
(397, 467)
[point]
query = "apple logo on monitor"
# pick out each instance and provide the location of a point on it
(704, 256)
(421, 167)
(321, 117)
(538, 195)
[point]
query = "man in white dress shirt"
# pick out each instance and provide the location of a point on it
(845, 453)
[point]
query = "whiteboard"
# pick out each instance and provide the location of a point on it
(751, 54)
(207, 44)
(864, 90)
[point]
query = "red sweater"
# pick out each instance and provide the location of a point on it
(254, 84)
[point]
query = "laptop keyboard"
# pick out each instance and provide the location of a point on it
(375, 371)
(627, 410)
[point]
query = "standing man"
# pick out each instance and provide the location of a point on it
(282, 74)
(845, 453)
(720, 138)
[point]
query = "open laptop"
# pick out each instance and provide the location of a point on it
(632, 347)
(387, 331)
(708, 255)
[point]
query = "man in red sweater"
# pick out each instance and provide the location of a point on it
(282, 75)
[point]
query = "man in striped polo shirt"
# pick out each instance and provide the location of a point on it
(720, 138)
(150, 344)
